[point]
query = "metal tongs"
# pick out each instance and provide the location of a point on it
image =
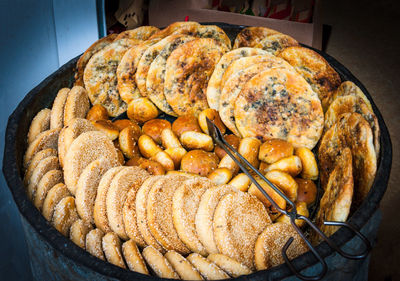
(245, 166)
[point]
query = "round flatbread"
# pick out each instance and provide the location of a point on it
(179, 26)
(39, 124)
(278, 103)
(205, 213)
(182, 266)
(126, 71)
(252, 36)
(214, 85)
(238, 220)
(100, 76)
(207, 31)
(139, 33)
(160, 265)
(349, 104)
(93, 243)
(208, 269)
(100, 210)
(55, 194)
(188, 69)
(275, 43)
(86, 188)
(83, 60)
(156, 74)
(65, 215)
(69, 133)
(133, 257)
(112, 249)
(323, 79)
(57, 111)
(77, 104)
(159, 213)
(353, 131)
(79, 230)
(127, 179)
(85, 149)
(234, 84)
(185, 203)
(45, 140)
(50, 179)
(35, 161)
(147, 58)
(336, 201)
(229, 265)
(268, 248)
(141, 212)
(348, 88)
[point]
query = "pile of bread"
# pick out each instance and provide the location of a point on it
(163, 199)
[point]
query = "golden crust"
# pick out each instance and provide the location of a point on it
(233, 84)
(57, 111)
(323, 79)
(156, 74)
(176, 27)
(207, 31)
(126, 71)
(84, 59)
(278, 103)
(77, 104)
(100, 76)
(275, 43)
(351, 130)
(199, 162)
(252, 36)
(336, 201)
(349, 104)
(188, 70)
(238, 220)
(348, 88)
(214, 85)
(139, 33)
(268, 248)
(39, 124)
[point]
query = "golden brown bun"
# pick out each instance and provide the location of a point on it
(185, 123)
(275, 149)
(142, 110)
(306, 191)
(152, 167)
(153, 128)
(123, 123)
(232, 140)
(199, 162)
(213, 115)
(128, 142)
(97, 112)
(107, 127)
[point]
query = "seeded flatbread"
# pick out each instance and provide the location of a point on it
(353, 131)
(234, 85)
(139, 33)
(145, 61)
(207, 31)
(278, 103)
(348, 104)
(348, 88)
(188, 70)
(126, 71)
(156, 74)
(252, 36)
(100, 76)
(336, 202)
(83, 60)
(275, 43)
(323, 79)
(179, 26)
(214, 85)
(39, 124)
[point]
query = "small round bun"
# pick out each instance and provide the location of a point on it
(185, 123)
(199, 162)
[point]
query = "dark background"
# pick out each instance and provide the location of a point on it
(363, 35)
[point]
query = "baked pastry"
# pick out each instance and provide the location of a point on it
(199, 162)
(214, 85)
(207, 31)
(250, 218)
(185, 123)
(50, 179)
(77, 104)
(182, 266)
(208, 269)
(133, 257)
(39, 124)
(93, 243)
(78, 231)
(64, 215)
(139, 33)
(229, 265)
(279, 103)
(55, 194)
(153, 128)
(158, 263)
(57, 111)
(112, 249)
(100, 76)
(188, 70)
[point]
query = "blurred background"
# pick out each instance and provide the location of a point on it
(40, 36)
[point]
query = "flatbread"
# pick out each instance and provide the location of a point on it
(100, 76)
(234, 84)
(336, 201)
(189, 67)
(83, 60)
(278, 103)
(214, 85)
(179, 26)
(348, 88)
(275, 43)
(156, 74)
(252, 36)
(323, 79)
(353, 131)
(126, 71)
(139, 33)
(39, 124)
